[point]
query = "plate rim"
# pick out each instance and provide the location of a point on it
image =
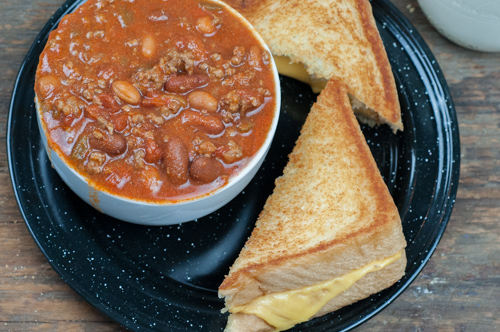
(413, 39)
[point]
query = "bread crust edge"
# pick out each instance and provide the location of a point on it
(370, 284)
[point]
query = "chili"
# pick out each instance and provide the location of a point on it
(155, 100)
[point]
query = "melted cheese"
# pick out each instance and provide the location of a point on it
(283, 310)
(298, 71)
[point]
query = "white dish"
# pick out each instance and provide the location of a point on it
(165, 213)
(474, 24)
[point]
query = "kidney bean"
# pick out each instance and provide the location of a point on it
(112, 145)
(210, 123)
(127, 92)
(109, 102)
(205, 169)
(176, 159)
(185, 83)
(203, 101)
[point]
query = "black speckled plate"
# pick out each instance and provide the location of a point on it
(166, 278)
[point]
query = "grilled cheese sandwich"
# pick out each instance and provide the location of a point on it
(283, 310)
(331, 39)
(327, 235)
(299, 72)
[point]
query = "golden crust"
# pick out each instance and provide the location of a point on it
(329, 213)
(333, 39)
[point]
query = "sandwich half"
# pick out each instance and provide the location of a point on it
(315, 40)
(328, 236)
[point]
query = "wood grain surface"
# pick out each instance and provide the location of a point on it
(459, 289)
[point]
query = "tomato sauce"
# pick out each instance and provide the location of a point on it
(155, 100)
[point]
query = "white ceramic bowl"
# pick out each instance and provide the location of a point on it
(474, 24)
(165, 213)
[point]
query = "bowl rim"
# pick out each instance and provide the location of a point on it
(254, 161)
(467, 13)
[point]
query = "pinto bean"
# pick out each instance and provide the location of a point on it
(203, 101)
(185, 83)
(127, 92)
(47, 85)
(176, 159)
(205, 169)
(205, 25)
(112, 145)
(148, 46)
(210, 123)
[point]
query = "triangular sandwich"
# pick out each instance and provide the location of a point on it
(331, 39)
(328, 236)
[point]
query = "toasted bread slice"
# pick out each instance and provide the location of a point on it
(332, 38)
(330, 214)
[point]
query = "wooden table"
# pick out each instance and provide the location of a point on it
(459, 289)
